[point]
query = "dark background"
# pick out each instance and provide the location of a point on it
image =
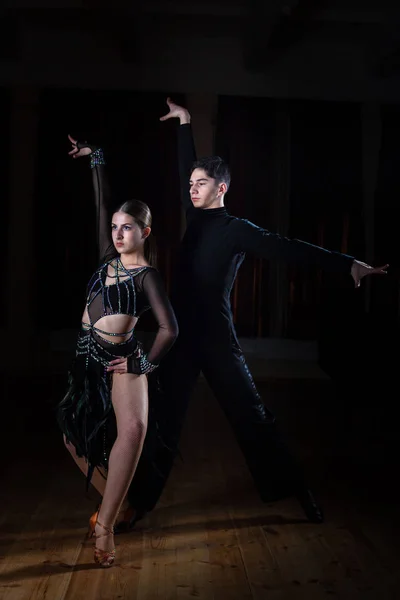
(293, 87)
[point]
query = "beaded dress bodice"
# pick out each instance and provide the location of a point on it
(123, 296)
(131, 292)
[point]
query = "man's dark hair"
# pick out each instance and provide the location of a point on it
(215, 167)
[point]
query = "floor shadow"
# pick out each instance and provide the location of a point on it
(44, 569)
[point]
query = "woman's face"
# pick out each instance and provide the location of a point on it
(127, 236)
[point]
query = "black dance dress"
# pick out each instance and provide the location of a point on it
(85, 414)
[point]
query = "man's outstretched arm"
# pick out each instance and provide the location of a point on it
(186, 149)
(263, 243)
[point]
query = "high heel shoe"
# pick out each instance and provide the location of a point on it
(130, 517)
(104, 558)
(92, 523)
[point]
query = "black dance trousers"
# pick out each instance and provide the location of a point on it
(275, 472)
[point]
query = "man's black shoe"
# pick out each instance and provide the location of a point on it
(310, 506)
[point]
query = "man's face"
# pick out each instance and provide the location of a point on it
(205, 192)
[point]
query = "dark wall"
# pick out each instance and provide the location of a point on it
(324, 170)
(325, 200)
(141, 156)
(323, 167)
(4, 178)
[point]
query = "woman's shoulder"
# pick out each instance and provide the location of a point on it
(148, 270)
(148, 277)
(143, 273)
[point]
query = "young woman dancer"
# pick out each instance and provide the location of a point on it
(104, 413)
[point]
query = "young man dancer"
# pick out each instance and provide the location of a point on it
(212, 250)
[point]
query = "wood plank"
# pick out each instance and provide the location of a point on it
(210, 537)
(42, 548)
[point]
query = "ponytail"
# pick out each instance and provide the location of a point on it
(150, 250)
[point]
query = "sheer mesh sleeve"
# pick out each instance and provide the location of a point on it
(167, 332)
(102, 195)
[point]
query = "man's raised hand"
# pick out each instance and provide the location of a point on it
(176, 112)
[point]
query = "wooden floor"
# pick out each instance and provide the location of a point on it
(210, 537)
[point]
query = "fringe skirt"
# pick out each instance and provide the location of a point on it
(85, 414)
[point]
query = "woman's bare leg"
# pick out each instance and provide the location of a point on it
(130, 402)
(98, 478)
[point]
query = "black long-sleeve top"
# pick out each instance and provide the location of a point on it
(213, 248)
